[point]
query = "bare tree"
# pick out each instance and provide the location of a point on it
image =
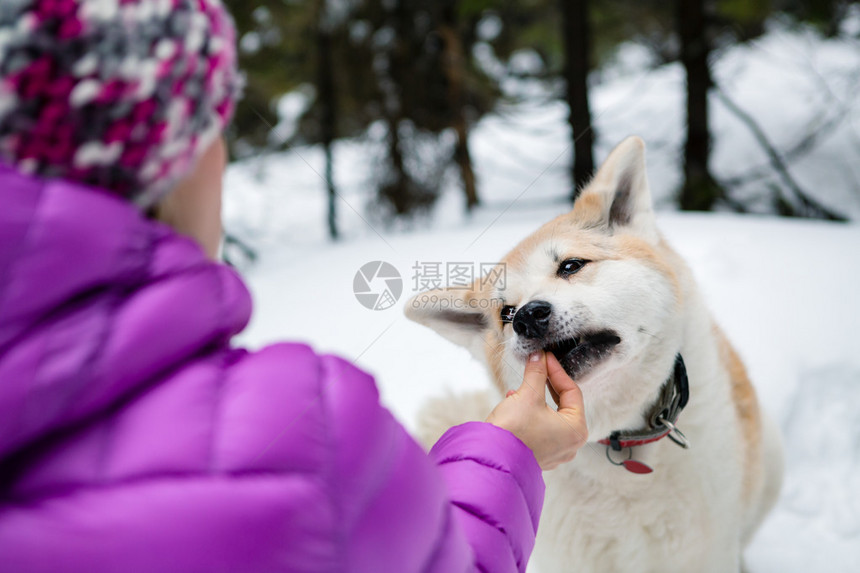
(454, 65)
(399, 189)
(800, 203)
(700, 190)
(328, 119)
(576, 31)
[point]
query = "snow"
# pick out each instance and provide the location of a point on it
(785, 291)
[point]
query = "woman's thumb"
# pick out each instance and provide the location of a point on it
(534, 379)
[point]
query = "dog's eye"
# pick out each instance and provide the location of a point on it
(570, 266)
(507, 313)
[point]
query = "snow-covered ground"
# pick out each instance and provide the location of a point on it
(785, 291)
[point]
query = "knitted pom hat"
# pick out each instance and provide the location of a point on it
(119, 94)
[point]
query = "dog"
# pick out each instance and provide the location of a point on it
(681, 466)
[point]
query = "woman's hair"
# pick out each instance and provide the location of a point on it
(118, 94)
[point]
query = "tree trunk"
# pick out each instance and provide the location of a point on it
(397, 189)
(454, 64)
(700, 190)
(328, 119)
(577, 55)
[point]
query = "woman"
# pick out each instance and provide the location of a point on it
(133, 436)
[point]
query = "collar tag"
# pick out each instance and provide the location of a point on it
(631, 465)
(637, 467)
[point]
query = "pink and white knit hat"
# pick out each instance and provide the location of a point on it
(118, 94)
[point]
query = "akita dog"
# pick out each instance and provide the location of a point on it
(601, 289)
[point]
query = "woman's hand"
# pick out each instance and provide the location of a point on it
(553, 436)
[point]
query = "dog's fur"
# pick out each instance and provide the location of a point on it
(700, 507)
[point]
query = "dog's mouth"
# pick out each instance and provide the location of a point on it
(579, 354)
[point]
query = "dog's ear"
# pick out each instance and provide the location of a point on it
(456, 314)
(618, 197)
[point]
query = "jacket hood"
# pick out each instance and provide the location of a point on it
(95, 300)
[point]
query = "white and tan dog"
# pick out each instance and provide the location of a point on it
(601, 289)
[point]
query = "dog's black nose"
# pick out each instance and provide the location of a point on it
(532, 319)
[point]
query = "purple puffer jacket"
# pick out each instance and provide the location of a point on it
(134, 438)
